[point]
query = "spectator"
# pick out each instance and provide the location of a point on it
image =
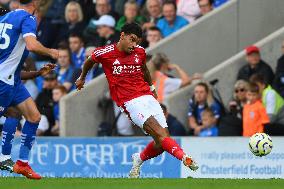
(174, 126)
(74, 20)
(209, 123)
(154, 10)
(66, 73)
(106, 30)
(44, 100)
(278, 83)
(154, 35)
(130, 15)
(201, 100)
(97, 69)
(205, 6)
(89, 6)
(76, 46)
(254, 114)
(189, 9)
(272, 101)
(255, 66)
(57, 93)
(103, 7)
(239, 98)
(171, 21)
(163, 83)
(231, 124)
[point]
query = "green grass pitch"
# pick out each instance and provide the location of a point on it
(120, 183)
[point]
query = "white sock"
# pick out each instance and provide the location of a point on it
(4, 157)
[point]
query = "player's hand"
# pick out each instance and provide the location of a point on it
(80, 83)
(46, 69)
(54, 53)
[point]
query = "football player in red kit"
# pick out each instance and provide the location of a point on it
(131, 88)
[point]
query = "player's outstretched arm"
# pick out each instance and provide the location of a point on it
(88, 64)
(35, 46)
(148, 79)
(46, 69)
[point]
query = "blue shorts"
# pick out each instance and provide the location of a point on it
(12, 95)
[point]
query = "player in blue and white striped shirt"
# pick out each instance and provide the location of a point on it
(17, 38)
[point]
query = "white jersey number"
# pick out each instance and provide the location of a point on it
(3, 29)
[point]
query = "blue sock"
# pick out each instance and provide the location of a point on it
(8, 134)
(28, 138)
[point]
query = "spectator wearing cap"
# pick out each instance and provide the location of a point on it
(171, 21)
(154, 11)
(44, 100)
(278, 83)
(189, 9)
(130, 15)
(77, 48)
(255, 65)
(106, 30)
(153, 36)
(174, 125)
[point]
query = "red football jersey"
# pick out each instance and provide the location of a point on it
(123, 72)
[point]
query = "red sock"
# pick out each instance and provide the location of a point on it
(150, 151)
(172, 147)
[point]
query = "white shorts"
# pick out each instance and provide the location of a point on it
(141, 108)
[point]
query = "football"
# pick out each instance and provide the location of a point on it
(260, 144)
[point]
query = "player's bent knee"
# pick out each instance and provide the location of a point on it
(35, 118)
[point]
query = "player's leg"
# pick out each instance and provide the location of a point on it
(27, 107)
(8, 132)
(156, 126)
(32, 116)
(6, 98)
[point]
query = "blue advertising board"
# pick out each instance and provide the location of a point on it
(95, 157)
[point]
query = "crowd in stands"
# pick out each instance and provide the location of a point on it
(257, 103)
(77, 27)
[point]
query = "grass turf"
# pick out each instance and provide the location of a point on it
(78, 183)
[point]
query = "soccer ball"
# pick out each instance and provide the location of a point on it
(260, 144)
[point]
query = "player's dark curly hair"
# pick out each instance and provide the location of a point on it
(132, 28)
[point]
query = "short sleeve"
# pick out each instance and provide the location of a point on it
(96, 55)
(29, 26)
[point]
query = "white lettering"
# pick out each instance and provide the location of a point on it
(65, 149)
